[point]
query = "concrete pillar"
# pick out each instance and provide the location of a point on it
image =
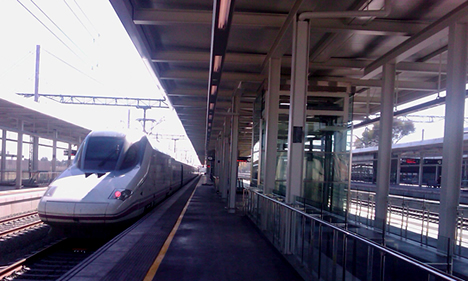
(19, 156)
(234, 154)
(297, 110)
(384, 156)
(452, 152)
(3, 162)
(271, 112)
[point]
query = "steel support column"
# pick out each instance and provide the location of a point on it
(384, 157)
(452, 151)
(225, 183)
(35, 154)
(19, 156)
(218, 161)
(54, 152)
(297, 110)
(234, 154)
(252, 151)
(260, 155)
(221, 164)
(4, 140)
(271, 112)
(69, 156)
(398, 169)
(421, 168)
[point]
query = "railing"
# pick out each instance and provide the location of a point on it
(323, 251)
(410, 218)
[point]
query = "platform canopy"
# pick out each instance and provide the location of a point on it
(38, 124)
(203, 58)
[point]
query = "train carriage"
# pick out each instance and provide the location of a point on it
(114, 178)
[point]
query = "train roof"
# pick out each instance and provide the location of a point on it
(431, 147)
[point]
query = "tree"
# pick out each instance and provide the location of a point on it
(370, 137)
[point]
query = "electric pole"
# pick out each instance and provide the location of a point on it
(36, 79)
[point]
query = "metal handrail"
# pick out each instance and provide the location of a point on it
(427, 211)
(409, 260)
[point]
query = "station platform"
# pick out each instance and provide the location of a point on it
(208, 244)
(16, 201)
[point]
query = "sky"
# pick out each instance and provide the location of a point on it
(84, 50)
(425, 128)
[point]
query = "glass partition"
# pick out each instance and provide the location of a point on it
(326, 164)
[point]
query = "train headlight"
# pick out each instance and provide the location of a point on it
(50, 191)
(120, 194)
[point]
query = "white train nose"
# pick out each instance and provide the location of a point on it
(75, 212)
(76, 188)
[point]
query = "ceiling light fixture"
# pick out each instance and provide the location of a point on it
(223, 13)
(217, 63)
(213, 89)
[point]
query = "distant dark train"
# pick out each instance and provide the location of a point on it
(409, 169)
(113, 178)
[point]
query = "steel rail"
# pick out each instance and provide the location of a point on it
(17, 266)
(6, 220)
(20, 228)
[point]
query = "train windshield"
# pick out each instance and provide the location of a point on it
(102, 153)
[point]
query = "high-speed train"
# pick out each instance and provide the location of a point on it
(113, 178)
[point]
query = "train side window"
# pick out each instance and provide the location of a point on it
(131, 157)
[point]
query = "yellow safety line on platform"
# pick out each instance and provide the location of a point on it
(162, 253)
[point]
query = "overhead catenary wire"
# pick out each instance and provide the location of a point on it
(16, 64)
(82, 72)
(58, 27)
(53, 33)
(86, 17)
(81, 22)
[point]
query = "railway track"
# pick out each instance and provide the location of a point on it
(421, 210)
(52, 262)
(19, 223)
(38, 254)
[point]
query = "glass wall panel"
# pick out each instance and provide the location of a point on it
(281, 173)
(43, 141)
(326, 164)
(327, 143)
(282, 155)
(12, 135)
